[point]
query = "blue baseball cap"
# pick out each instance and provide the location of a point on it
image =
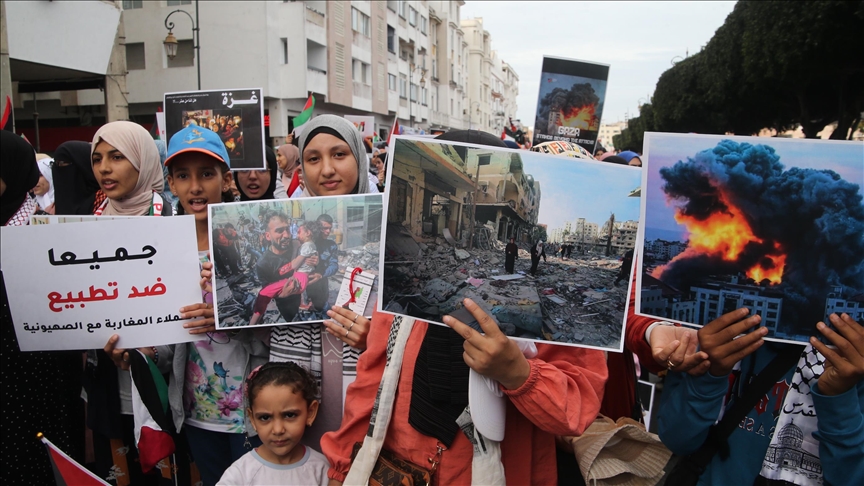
(197, 139)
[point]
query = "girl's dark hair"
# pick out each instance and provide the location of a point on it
(313, 227)
(285, 373)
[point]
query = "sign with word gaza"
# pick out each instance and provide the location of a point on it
(72, 286)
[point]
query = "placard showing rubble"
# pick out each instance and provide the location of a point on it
(237, 116)
(570, 102)
(582, 213)
(771, 224)
(264, 256)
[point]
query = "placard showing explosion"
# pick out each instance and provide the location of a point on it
(570, 102)
(774, 225)
(237, 116)
(287, 261)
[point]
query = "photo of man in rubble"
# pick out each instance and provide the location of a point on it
(295, 278)
(455, 209)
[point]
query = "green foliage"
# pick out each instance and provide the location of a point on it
(772, 64)
(539, 234)
(632, 137)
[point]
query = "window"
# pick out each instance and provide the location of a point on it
(360, 22)
(402, 6)
(360, 72)
(391, 82)
(174, 3)
(403, 87)
(423, 24)
(391, 39)
(135, 56)
(434, 69)
(412, 16)
(185, 54)
(132, 4)
(413, 92)
(424, 96)
(391, 4)
(284, 50)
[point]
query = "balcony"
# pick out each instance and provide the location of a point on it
(314, 16)
(316, 80)
(362, 90)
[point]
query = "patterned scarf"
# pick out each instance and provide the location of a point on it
(22, 216)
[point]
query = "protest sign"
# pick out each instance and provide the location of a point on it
(771, 224)
(432, 261)
(72, 286)
(268, 280)
(570, 102)
(365, 124)
(237, 116)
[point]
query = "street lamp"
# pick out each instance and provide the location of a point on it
(171, 43)
(412, 67)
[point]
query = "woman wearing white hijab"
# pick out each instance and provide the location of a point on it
(127, 166)
(44, 190)
(333, 158)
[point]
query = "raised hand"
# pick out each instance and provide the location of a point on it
(844, 367)
(491, 354)
(350, 327)
(202, 317)
(718, 340)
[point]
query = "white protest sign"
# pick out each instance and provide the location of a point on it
(72, 286)
(365, 124)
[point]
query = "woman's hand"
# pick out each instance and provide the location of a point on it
(202, 318)
(844, 367)
(206, 277)
(351, 328)
(675, 348)
(493, 354)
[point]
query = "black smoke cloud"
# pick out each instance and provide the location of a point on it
(815, 216)
(580, 94)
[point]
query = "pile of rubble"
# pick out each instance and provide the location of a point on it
(569, 301)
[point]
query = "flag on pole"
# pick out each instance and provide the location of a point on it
(393, 130)
(6, 120)
(306, 114)
(153, 425)
(67, 472)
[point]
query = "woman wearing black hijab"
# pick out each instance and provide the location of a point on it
(41, 390)
(258, 184)
(75, 186)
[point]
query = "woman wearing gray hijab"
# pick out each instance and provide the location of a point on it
(333, 158)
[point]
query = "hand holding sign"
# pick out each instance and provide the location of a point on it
(493, 354)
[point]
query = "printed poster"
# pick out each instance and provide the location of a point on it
(570, 102)
(263, 254)
(577, 217)
(771, 224)
(126, 276)
(236, 115)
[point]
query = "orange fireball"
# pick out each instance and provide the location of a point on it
(726, 234)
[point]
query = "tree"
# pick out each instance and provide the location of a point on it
(632, 137)
(539, 234)
(771, 64)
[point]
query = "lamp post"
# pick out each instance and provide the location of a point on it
(170, 41)
(412, 67)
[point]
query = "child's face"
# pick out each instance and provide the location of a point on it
(280, 416)
(198, 180)
(304, 234)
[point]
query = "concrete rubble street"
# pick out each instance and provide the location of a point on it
(569, 300)
(245, 288)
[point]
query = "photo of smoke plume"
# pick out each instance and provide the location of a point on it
(542, 243)
(773, 225)
(570, 102)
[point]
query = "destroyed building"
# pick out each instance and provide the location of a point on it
(507, 197)
(429, 189)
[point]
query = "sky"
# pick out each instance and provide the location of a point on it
(569, 189)
(844, 158)
(638, 40)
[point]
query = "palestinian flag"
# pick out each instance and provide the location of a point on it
(306, 114)
(8, 115)
(67, 472)
(393, 130)
(153, 425)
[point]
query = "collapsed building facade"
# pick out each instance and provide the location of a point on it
(508, 198)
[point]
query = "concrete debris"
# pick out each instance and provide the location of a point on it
(568, 301)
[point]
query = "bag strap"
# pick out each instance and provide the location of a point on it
(719, 433)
